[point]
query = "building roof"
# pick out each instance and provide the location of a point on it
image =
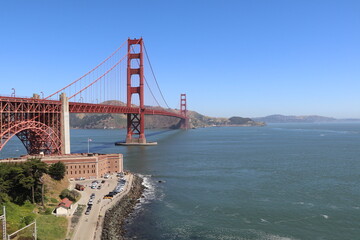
(65, 203)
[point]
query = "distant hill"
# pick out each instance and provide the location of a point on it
(277, 118)
(102, 121)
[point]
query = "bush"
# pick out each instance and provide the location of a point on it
(71, 195)
(28, 219)
(53, 200)
(48, 211)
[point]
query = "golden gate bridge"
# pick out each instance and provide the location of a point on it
(43, 123)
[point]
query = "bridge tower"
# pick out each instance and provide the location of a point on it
(135, 121)
(183, 111)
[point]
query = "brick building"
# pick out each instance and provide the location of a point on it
(92, 165)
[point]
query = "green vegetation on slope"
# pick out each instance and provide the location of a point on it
(49, 227)
(21, 183)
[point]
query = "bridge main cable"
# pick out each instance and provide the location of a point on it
(111, 55)
(147, 57)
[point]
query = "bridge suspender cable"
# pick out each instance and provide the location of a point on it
(147, 84)
(109, 70)
(122, 45)
(147, 56)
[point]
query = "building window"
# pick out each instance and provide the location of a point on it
(88, 171)
(70, 172)
(71, 167)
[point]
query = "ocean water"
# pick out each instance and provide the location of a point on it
(282, 181)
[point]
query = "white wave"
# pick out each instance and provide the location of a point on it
(268, 236)
(150, 189)
(325, 216)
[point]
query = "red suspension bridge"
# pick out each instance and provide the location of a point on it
(42, 124)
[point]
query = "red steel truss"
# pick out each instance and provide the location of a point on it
(36, 123)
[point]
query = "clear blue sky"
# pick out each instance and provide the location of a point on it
(232, 58)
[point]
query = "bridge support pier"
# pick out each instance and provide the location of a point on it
(65, 124)
(135, 121)
(184, 124)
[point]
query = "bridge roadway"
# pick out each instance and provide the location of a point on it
(33, 105)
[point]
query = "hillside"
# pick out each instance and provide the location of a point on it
(101, 121)
(277, 118)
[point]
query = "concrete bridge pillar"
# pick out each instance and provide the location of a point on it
(65, 124)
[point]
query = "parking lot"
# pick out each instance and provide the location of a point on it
(94, 195)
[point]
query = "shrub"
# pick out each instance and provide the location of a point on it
(28, 219)
(48, 211)
(71, 195)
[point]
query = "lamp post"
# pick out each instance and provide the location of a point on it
(42, 95)
(13, 93)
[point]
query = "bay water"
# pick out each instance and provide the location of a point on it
(281, 181)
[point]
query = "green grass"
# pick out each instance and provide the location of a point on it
(15, 215)
(51, 227)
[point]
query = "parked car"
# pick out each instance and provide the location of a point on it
(92, 196)
(108, 196)
(79, 187)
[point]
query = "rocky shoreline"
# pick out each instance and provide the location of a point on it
(114, 220)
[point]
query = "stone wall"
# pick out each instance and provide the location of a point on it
(113, 228)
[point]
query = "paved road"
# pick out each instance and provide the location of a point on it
(85, 230)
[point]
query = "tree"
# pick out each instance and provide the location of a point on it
(35, 168)
(57, 170)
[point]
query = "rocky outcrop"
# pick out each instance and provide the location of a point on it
(114, 221)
